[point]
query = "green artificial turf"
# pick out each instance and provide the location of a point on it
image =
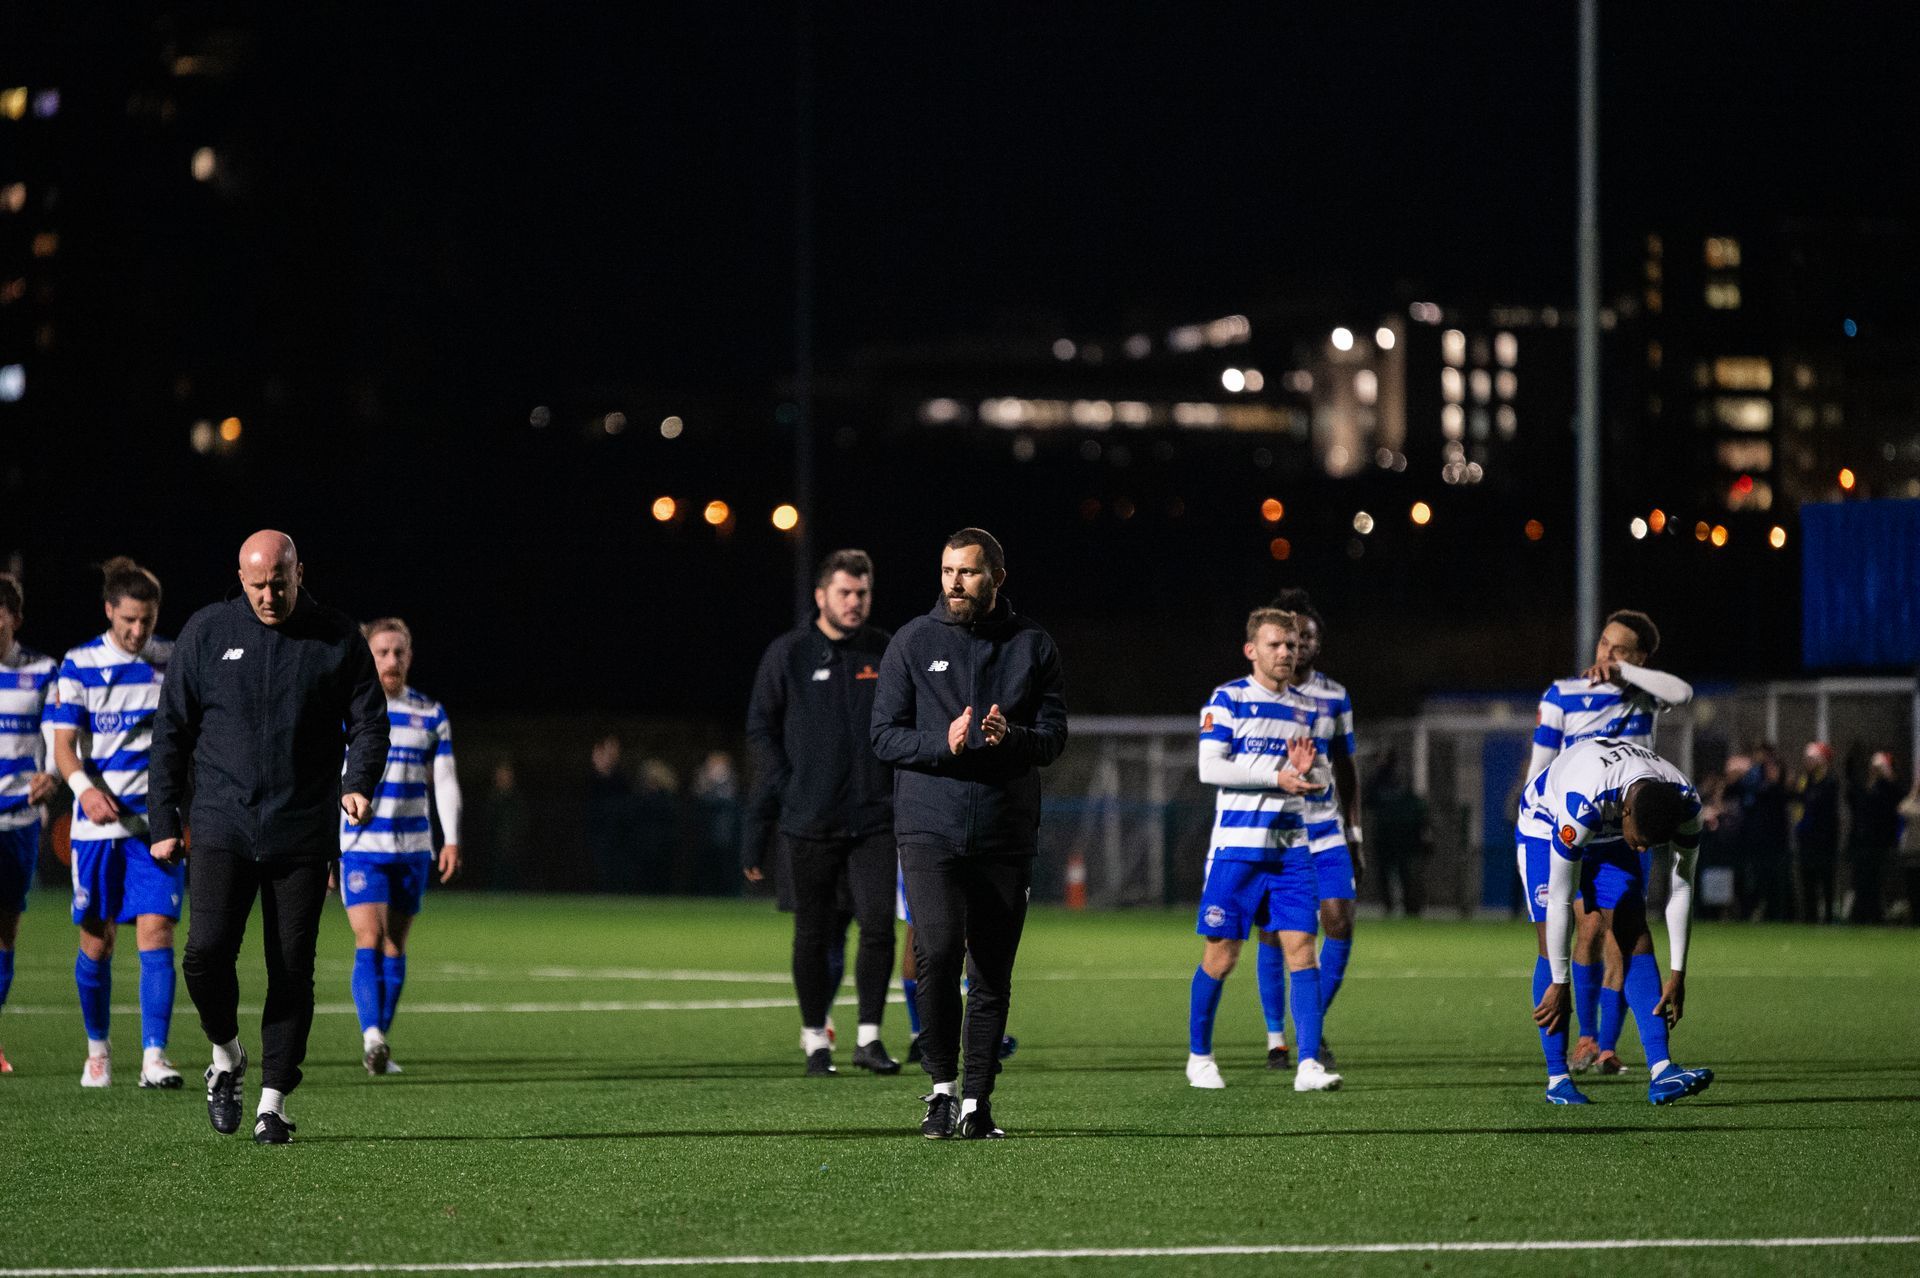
(523, 1134)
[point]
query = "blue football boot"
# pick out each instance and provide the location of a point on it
(1565, 1093)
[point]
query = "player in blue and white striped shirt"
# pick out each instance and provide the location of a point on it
(1257, 744)
(107, 693)
(386, 863)
(1333, 837)
(26, 677)
(1596, 814)
(1618, 698)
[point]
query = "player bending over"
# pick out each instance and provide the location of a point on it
(387, 861)
(1600, 810)
(1618, 698)
(1257, 745)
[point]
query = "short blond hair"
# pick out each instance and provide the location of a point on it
(1288, 621)
(383, 625)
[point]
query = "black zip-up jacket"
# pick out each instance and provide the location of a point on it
(814, 776)
(256, 717)
(985, 799)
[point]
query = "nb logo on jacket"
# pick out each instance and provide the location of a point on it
(937, 667)
(233, 654)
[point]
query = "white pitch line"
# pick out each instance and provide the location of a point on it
(497, 1009)
(1029, 1253)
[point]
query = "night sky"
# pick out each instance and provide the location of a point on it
(431, 226)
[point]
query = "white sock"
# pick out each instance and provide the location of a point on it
(368, 1037)
(814, 1040)
(271, 1102)
(947, 1089)
(1659, 1068)
(99, 1047)
(153, 1054)
(1275, 1039)
(968, 1105)
(868, 1034)
(1554, 1080)
(226, 1056)
(1194, 1058)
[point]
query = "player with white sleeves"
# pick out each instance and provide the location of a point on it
(1600, 810)
(385, 863)
(26, 677)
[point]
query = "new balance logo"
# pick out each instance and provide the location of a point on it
(937, 666)
(233, 654)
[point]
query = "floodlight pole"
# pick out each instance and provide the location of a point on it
(803, 483)
(1587, 417)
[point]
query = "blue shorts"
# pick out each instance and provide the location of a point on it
(116, 881)
(1333, 869)
(1280, 896)
(1607, 871)
(19, 853)
(397, 882)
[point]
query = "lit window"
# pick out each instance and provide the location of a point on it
(1453, 421)
(1342, 339)
(1383, 338)
(1256, 380)
(1743, 412)
(1743, 372)
(204, 163)
(1233, 380)
(1139, 346)
(46, 244)
(1505, 420)
(1723, 295)
(13, 383)
(1453, 386)
(1480, 382)
(13, 102)
(1747, 455)
(1654, 247)
(1722, 253)
(1654, 301)
(1655, 354)
(1453, 347)
(670, 427)
(1366, 386)
(1505, 384)
(46, 103)
(1654, 271)
(13, 197)
(1478, 423)
(1506, 349)
(1064, 349)
(1803, 377)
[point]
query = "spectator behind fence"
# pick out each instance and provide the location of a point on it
(1763, 846)
(502, 830)
(1402, 836)
(1719, 835)
(1817, 831)
(656, 829)
(609, 800)
(1910, 849)
(1875, 806)
(716, 807)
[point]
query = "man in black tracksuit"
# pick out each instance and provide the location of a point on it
(265, 693)
(969, 708)
(817, 781)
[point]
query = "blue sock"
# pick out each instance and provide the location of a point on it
(1613, 1018)
(393, 972)
(1307, 1010)
(94, 977)
(1273, 987)
(1204, 1005)
(1333, 969)
(6, 975)
(911, 988)
(1586, 997)
(156, 996)
(1643, 995)
(1554, 1044)
(366, 987)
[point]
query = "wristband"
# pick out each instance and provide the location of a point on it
(80, 783)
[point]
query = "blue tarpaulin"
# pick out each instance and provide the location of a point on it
(1860, 588)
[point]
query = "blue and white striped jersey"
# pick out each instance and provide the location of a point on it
(26, 678)
(1579, 799)
(1324, 826)
(1576, 710)
(109, 698)
(419, 757)
(1244, 730)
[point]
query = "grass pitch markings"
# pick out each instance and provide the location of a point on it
(1029, 1253)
